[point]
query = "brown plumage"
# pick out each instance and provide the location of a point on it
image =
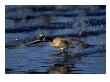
(63, 43)
(60, 43)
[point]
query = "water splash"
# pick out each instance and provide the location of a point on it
(80, 24)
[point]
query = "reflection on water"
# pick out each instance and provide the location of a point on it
(25, 24)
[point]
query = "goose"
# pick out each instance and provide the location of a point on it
(63, 43)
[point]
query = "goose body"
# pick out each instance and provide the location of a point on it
(60, 43)
(64, 43)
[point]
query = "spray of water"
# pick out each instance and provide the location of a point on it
(79, 24)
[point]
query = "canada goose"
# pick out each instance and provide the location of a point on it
(63, 43)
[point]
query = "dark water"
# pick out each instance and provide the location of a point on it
(26, 23)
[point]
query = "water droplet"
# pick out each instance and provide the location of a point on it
(16, 39)
(101, 25)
